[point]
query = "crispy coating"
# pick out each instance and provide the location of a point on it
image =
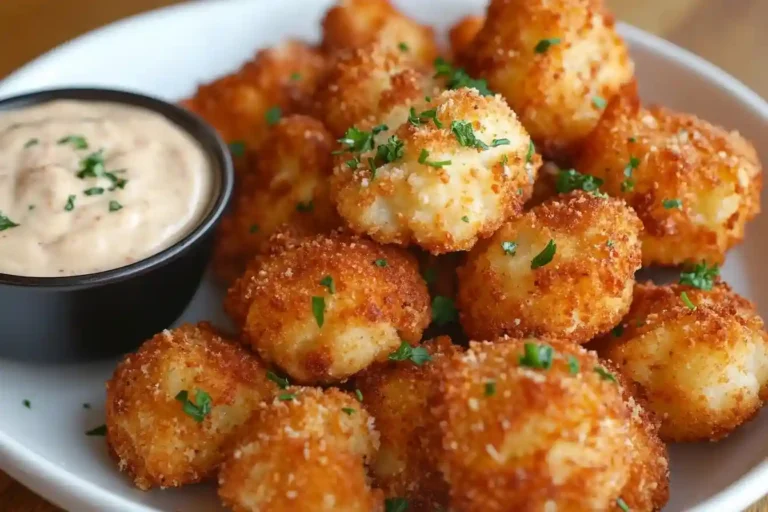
(377, 299)
(303, 452)
(715, 174)
(582, 292)
(290, 192)
(463, 33)
(703, 372)
(284, 76)
(148, 431)
(400, 396)
(443, 207)
(520, 438)
(351, 24)
(369, 84)
(553, 90)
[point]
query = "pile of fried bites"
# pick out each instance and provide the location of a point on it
(389, 193)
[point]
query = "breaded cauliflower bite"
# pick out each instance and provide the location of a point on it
(304, 451)
(700, 358)
(463, 33)
(351, 24)
(532, 425)
(555, 61)
(290, 191)
(694, 185)
(400, 395)
(174, 405)
(324, 308)
(564, 270)
(279, 80)
(368, 84)
(452, 173)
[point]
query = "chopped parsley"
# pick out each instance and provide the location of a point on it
(423, 160)
(93, 191)
(672, 203)
(282, 382)
(690, 305)
(599, 102)
(31, 207)
(358, 395)
(632, 140)
(403, 46)
(490, 388)
(254, 228)
(6, 223)
(499, 142)
(543, 45)
(458, 78)
(286, 397)
(27, 403)
(237, 148)
(86, 405)
(465, 219)
(359, 141)
(416, 119)
(700, 276)
(101, 430)
(605, 374)
(350, 411)
(92, 166)
(198, 409)
(305, 207)
(466, 135)
(405, 352)
(395, 505)
(273, 115)
(537, 355)
(327, 281)
(114, 206)
(531, 152)
(318, 310)
(30, 143)
(444, 310)
(391, 151)
(509, 248)
(70, 204)
(545, 256)
(622, 505)
(617, 331)
(76, 141)
(628, 184)
(610, 243)
(295, 76)
(573, 365)
(571, 179)
(353, 163)
(381, 262)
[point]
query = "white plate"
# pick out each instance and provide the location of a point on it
(165, 53)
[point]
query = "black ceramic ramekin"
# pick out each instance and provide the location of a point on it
(92, 316)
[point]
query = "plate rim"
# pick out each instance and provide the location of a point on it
(68, 490)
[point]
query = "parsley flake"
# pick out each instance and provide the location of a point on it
(359, 395)
(273, 115)
(605, 374)
(327, 281)
(295, 76)
(237, 148)
(465, 219)
(93, 191)
(381, 262)
(490, 388)
(27, 403)
(6, 223)
(672, 203)
(509, 248)
(405, 352)
(86, 405)
(70, 204)
(700, 276)
(30, 143)
(353, 163)
(610, 243)
(305, 207)
(423, 160)
(444, 310)
(350, 411)
(458, 78)
(76, 141)
(318, 310)
(393, 150)
(92, 166)
(545, 256)
(282, 382)
(466, 135)
(395, 505)
(690, 305)
(114, 206)
(617, 331)
(403, 46)
(286, 397)
(417, 119)
(622, 505)
(101, 430)
(499, 142)
(537, 355)
(571, 179)
(198, 409)
(573, 365)
(531, 152)
(543, 45)
(599, 102)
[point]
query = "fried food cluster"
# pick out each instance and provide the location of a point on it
(694, 185)
(699, 357)
(287, 190)
(304, 451)
(173, 406)
(450, 174)
(564, 270)
(324, 308)
(555, 61)
(400, 395)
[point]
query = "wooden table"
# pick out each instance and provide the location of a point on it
(729, 33)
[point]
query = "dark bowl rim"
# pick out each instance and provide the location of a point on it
(211, 143)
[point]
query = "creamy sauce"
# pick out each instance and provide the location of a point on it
(139, 186)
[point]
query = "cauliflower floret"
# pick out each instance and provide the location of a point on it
(555, 61)
(694, 185)
(565, 270)
(449, 175)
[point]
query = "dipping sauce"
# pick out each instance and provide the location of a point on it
(92, 186)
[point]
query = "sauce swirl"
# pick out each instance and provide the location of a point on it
(91, 186)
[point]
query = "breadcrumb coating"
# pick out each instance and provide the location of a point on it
(551, 59)
(517, 437)
(702, 370)
(583, 290)
(693, 184)
(463, 165)
(156, 442)
(324, 308)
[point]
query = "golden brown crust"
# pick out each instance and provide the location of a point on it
(583, 291)
(400, 396)
(289, 191)
(284, 76)
(303, 451)
(552, 91)
(373, 307)
(153, 439)
(462, 33)
(351, 24)
(703, 372)
(714, 173)
(542, 438)
(448, 207)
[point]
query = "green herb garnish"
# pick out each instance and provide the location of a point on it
(458, 78)
(444, 310)
(286, 397)
(359, 395)
(30, 143)
(282, 382)
(380, 262)
(391, 151)
(466, 135)
(403, 46)
(93, 191)
(545, 256)
(465, 219)
(690, 305)
(617, 331)
(537, 355)
(405, 352)
(237, 148)
(114, 206)
(571, 179)
(350, 411)
(27, 403)
(598, 102)
(6, 223)
(573, 365)
(101, 430)
(318, 310)
(423, 160)
(530, 153)
(672, 203)
(70, 204)
(700, 276)
(605, 374)
(543, 45)
(76, 141)
(622, 505)
(295, 76)
(327, 281)
(509, 248)
(273, 115)
(198, 409)
(490, 388)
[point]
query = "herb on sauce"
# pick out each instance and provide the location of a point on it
(93, 191)
(70, 204)
(30, 143)
(115, 206)
(6, 223)
(76, 141)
